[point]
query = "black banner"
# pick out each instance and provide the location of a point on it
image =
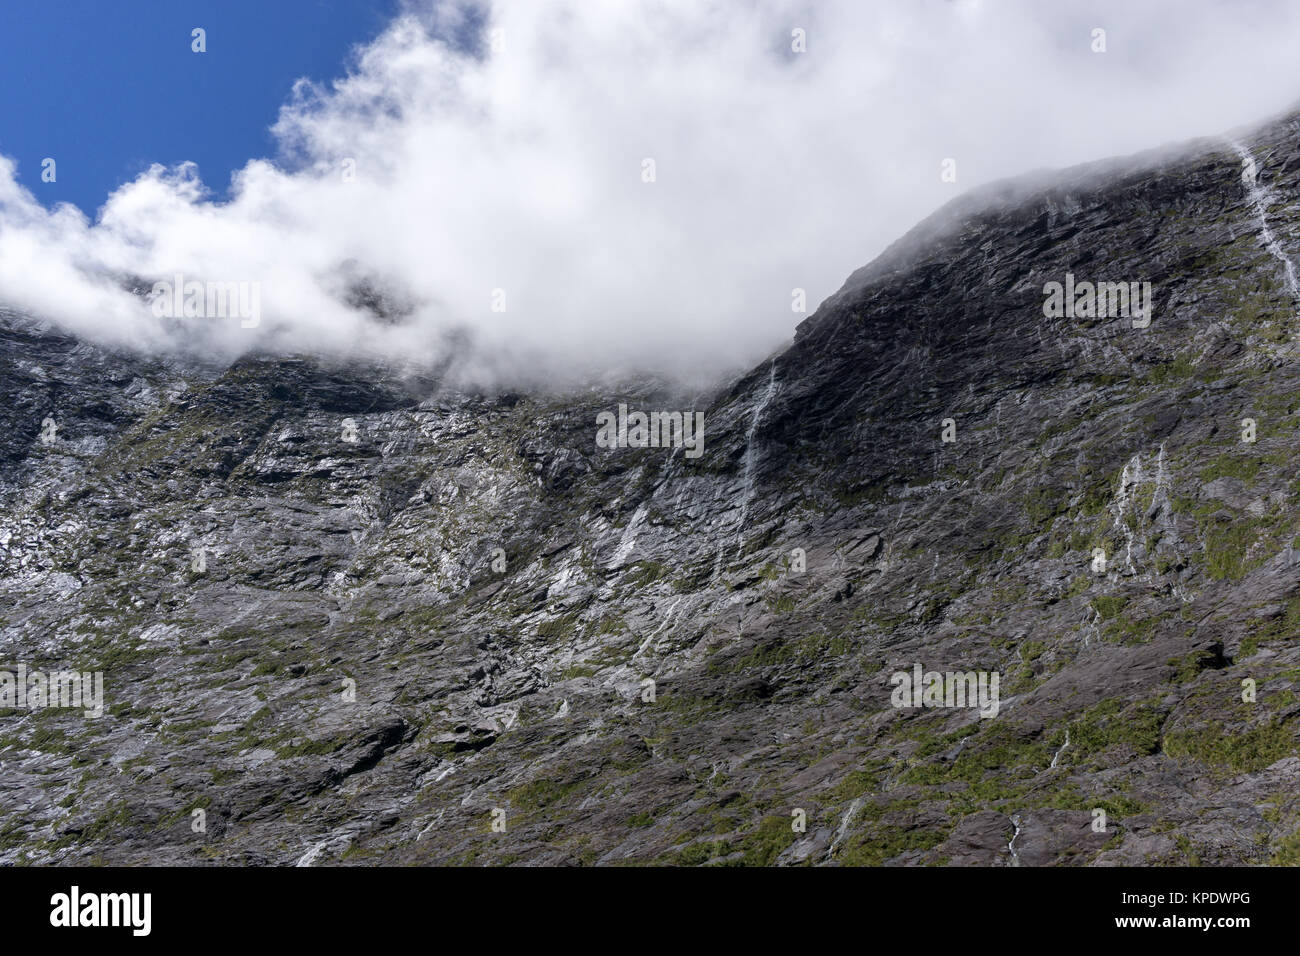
(334, 905)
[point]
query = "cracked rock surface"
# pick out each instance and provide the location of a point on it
(372, 651)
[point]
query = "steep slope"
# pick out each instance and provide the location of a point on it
(642, 672)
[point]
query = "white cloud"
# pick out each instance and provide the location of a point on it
(521, 169)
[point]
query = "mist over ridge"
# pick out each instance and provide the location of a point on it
(468, 190)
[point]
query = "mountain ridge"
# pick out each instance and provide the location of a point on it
(520, 696)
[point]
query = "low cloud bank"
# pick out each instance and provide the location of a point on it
(548, 188)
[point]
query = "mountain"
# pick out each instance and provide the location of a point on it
(355, 615)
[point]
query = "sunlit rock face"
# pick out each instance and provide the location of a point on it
(351, 614)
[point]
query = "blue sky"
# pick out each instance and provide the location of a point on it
(107, 87)
(579, 184)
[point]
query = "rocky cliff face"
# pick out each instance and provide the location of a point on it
(471, 635)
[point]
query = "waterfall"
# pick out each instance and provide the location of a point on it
(1160, 497)
(1259, 202)
(1015, 857)
(854, 807)
(1057, 756)
(751, 452)
(1093, 626)
(1130, 477)
(646, 643)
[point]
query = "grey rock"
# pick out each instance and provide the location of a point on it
(353, 677)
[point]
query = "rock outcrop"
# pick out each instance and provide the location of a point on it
(472, 636)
